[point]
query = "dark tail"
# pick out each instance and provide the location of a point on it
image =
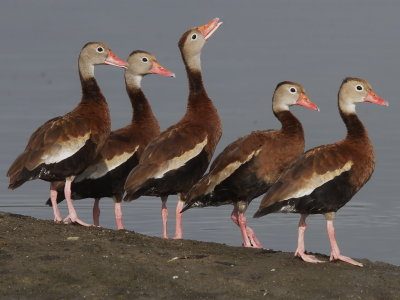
(130, 197)
(204, 201)
(187, 205)
(262, 211)
(14, 185)
(146, 188)
(19, 178)
(259, 213)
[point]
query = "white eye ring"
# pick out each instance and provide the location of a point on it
(145, 59)
(100, 49)
(293, 90)
(359, 88)
(194, 36)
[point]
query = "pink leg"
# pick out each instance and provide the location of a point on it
(235, 216)
(118, 212)
(96, 212)
(242, 225)
(53, 198)
(164, 215)
(255, 243)
(178, 226)
(300, 251)
(335, 252)
(72, 212)
(253, 238)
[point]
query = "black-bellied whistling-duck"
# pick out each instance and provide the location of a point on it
(325, 178)
(180, 155)
(250, 165)
(106, 175)
(63, 147)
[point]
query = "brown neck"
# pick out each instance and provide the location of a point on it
(199, 104)
(355, 128)
(91, 91)
(193, 70)
(196, 87)
(290, 124)
(142, 112)
(200, 107)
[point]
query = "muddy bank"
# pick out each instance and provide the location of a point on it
(40, 259)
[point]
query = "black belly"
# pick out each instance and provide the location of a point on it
(242, 185)
(109, 185)
(176, 181)
(68, 167)
(329, 197)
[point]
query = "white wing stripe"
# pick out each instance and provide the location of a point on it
(227, 171)
(318, 180)
(179, 161)
(103, 167)
(62, 151)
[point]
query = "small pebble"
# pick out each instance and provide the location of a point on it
(272, 270)
(175, 277)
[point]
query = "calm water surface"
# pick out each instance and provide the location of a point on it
(260, 44)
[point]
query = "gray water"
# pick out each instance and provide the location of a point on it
(316, 43)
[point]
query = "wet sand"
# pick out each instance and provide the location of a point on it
(43, 260)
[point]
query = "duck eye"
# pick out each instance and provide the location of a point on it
(359, 87)
(194, 36)
(100, 49)
(293, 90)
(145, 59)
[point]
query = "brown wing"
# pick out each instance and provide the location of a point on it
(314, 168)
(55, 140)
(227, 162)
(169, 151)
(118, 148)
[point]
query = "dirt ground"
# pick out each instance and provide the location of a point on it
(43, 260)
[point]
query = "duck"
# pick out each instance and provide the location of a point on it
(325, 178)
(62, 147)
(247, 167)
(180, 155)
(106, 175)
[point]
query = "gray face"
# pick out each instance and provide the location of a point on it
(355, 90)
(194, 42)
(286, 95)
(140, 63)
(95, 53)
(351, 92)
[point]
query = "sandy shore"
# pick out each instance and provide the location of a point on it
(43, 260)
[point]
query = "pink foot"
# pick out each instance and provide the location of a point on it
(73, 217)
(335, 251)
(249, 238)
(255, 243)
(307, 257)
(243, 230)
(75, 220)
(335, 256)
(300, 252)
